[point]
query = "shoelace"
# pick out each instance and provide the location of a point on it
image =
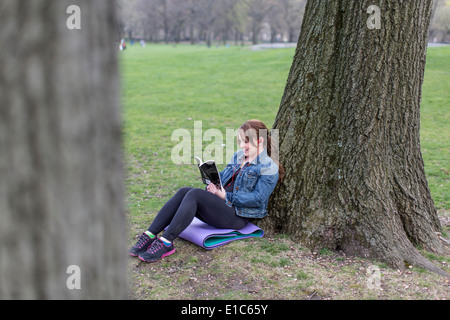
(156, 246)
(142, 240)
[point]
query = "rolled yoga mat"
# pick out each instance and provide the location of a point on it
(208, 237)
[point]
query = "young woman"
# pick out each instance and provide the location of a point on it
(248, 180)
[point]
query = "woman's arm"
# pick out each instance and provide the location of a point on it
(254, 199)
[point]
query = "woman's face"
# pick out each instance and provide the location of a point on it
(250, 148)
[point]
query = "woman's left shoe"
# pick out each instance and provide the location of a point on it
(157, 251)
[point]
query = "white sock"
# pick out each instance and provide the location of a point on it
(166, 242)
(151, 235)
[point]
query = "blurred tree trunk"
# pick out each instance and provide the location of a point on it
(61, 189)
(349, 126)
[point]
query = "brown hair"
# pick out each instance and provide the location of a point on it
(253, 129)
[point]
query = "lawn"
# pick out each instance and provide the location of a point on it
(435, 124)
(173, 87)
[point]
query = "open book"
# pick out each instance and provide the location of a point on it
(209, 172)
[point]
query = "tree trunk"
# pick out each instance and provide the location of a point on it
(62, 230)
(349, 134)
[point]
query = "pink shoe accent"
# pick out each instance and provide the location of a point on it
(164, 255)
(168, 253)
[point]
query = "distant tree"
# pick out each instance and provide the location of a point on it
(205, 20)
(240, 21)
(440, 26)
(131, 17)
(349, 134)
(208, 13)
(257, 12)
(227, 18)
(62, 229)
(276, 20)
(292, 11)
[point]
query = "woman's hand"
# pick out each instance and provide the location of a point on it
(214, 190)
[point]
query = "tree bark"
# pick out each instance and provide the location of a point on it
(61, 186)
(349, 125)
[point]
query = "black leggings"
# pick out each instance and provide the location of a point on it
(188, 203)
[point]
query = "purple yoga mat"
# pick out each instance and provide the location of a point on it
(208, 237)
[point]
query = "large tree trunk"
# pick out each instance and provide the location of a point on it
(349, 134)
(62, 228)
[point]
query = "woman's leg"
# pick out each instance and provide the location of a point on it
(195, 202)
(208, 208)
(162, 220)
(168, 211)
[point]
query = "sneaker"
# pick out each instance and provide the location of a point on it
(142, 245)
(157, 251)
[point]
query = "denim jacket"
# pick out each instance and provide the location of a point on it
(253, 184)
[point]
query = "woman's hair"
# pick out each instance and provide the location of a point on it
(253, 130)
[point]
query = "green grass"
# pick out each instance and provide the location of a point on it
(167, 88)
(435, 124)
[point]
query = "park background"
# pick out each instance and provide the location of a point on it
(196, 73)
(223, 22)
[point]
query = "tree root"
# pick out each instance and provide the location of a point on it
(416, 259)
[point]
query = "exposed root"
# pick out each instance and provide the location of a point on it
(416, 259)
